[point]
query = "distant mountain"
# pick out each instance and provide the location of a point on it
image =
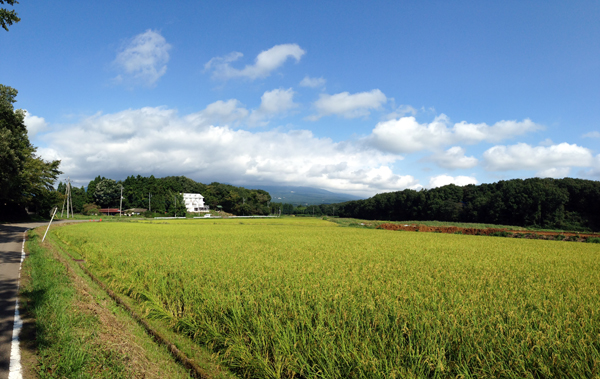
(306, 195)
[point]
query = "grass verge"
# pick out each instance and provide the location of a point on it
(78, 332)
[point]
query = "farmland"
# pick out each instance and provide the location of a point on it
(307, 298)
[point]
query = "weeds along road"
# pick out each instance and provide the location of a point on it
(11, 242)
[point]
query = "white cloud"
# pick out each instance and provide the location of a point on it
(401, 111)
(443, 180)
(266, 62)
(272, 103)
(34, 124)
(406, 135)
(454, 158)
(312, 82)
(277, 101)
(593, 134)
(229, 112)
(525, 157)
(554, 172)
(157, 141)
(144, 59)
(348, 105)
(595, 170)
(546, 142)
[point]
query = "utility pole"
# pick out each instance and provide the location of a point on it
(64, 201)
(68, 199)
(71, 199)
(149, 203)
(121, 203)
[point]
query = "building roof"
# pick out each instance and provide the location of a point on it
(109, 210)
(192, 194)
(136, 210)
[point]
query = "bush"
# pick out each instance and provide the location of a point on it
(91, 209)
(593, 240)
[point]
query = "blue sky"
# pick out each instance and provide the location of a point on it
(355, 97)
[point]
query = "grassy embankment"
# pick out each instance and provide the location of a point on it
(304, 298)
(374, 223)
(76, 330)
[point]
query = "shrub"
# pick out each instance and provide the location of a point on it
(91, 209)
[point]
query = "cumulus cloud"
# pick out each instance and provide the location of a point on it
(144, 59)
(443, 180)
(454, 158)
(593, 134)
(266, 62)
(312, 82)
(272, 103)
(230, 112)
(406, 135)
(160, 142)
(595, 170)
(541, 158)
(34, 124)
(554, 172)
(348, 105)
(401, 111)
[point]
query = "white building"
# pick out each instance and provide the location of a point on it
(194, 202)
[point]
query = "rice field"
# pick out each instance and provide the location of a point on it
(305, 298)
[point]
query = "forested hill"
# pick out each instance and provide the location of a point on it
(164, 195)
(306, 195)
(567, 203)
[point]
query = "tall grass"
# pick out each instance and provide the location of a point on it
(65, 337)
(305, 298)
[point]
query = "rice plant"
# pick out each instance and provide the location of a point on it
(286, 298)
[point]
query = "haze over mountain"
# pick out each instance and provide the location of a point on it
(305, 195)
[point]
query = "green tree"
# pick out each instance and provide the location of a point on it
(8, 17)
(26, 180)
(176, 205)
(107, 193)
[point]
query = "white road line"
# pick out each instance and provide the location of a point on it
(15, 371)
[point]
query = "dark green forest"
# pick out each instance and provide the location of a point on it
(162, 195)
(26, 180)
(570, 204)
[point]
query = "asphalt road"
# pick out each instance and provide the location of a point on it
(11, 242)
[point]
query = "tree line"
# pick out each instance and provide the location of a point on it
(304, 210)
(572, 204)
(162, 196)
(26, 180)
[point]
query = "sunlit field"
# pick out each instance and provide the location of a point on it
(283, 298)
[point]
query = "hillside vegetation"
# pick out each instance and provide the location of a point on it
(162, 195)
(568, 204)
